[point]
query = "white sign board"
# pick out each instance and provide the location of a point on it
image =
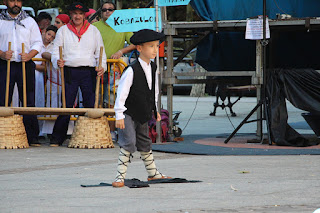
(254, 29)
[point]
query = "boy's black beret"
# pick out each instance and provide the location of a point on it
(146, 35)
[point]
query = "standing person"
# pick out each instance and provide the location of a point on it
(61, 19)
(81, 44)
(43, 20)
(17, 27)
(90, 14)
(47, 38)
(112, 40)
(136, 101)
(53, 80)
(47, 45)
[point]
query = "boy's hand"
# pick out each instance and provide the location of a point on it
(120, 124)
(158, 116)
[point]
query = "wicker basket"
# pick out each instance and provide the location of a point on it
(90, 133)
(12, 133)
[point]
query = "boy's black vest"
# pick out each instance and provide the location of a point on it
(141, 100)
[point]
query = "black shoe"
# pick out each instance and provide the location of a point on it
(42, 138)
(35, 142)
(54, 143)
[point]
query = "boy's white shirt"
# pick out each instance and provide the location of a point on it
(125, 85)
(44, 48)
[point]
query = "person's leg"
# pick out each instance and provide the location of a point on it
(105, 89)
(39, 98)
(3, 81)
(153, 173)
(144, 147)
(87, 87)
(123, 161)
(60, 128)
(30, 121)
(127, 146)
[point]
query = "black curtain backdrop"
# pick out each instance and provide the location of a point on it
(302, 88)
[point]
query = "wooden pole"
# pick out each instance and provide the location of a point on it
(109, 70)
(56, 111)
(102, 92)
(62, 81)
(8, 78)
(50, 86)
(114, 83)
(24, 80)
(45, 82)
(96, 102)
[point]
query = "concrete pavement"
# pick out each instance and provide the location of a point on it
(47, 179)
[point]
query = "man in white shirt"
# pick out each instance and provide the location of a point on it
(81, 44)
(17, 27)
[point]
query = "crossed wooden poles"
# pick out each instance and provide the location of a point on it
(51, 111)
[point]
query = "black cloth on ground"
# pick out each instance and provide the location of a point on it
(302, 88)
(136, 183)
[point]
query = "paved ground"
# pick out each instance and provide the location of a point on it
(47, 179)
(202, 123)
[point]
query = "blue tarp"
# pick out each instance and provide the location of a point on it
(210, 10)
(230, 51)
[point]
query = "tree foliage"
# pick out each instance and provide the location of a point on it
(174, 13)
(61, 4)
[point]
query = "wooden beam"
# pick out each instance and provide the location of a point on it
(56, 111)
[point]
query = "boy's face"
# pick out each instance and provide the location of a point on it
(49, 37)
(148, 50)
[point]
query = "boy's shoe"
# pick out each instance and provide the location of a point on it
(162, 177)
(118, 184)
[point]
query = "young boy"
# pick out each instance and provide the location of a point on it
(136, 101)
(48, 36)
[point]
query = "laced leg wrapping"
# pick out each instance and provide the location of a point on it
(124, 159)
(147, 158)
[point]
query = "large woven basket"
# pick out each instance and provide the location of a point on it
(91, 133)
(12, 133)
